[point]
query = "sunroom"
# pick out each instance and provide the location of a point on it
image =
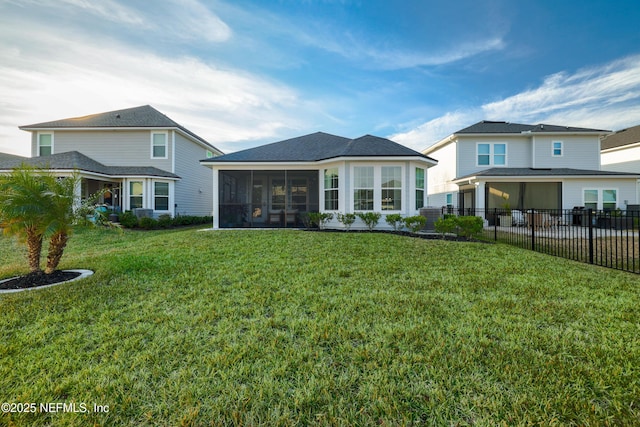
(275, 185)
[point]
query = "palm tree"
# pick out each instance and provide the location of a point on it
(23, 210)
(61, 202)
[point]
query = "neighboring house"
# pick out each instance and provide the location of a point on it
(621, 150)
(495, 164)
(139, 157)
(272, 185)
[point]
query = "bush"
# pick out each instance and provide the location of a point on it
(395, 221)
(165, 221)
(466, 226)
(128, 219)
(347, 219)
(470, 226)
(415, 223)
(147, 223)
(319, 218)
(370, 219)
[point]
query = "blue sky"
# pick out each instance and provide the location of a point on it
(245, 72)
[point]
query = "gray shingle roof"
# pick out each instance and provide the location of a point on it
(622, 137)
(319, 146)
(487, 126)
(74, 160)
(137, 117)
(544, 172)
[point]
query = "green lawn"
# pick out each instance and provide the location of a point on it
(302, 328)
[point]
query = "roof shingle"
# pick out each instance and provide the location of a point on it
(487, 126)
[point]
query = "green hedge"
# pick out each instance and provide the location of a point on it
(129, 220)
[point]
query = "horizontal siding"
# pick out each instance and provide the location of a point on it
(194, 191)
(572, 193)
(579, 152)
(518, 153)
(112, 148)
(439, 177)
(626, 160)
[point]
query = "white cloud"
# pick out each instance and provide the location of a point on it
(196, 22)
(218, 104)
(604, 97)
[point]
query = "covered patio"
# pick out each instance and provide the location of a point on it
(266, 198)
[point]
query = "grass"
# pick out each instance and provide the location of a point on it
(302, 328)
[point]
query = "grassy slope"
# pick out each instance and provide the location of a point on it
(287, 327)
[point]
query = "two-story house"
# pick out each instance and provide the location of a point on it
(138, 157)
(621, 150)
(494, 164)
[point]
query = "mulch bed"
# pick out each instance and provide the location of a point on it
(33, 280)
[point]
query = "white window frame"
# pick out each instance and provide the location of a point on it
(330, 189)
(166, 144)
(492, 154)
(600, 201)
(420, 189)
(38, 142)
(371, 188)
(449, 200)
(393, 189)
(168, 196)
(553, 149)
(130, 194)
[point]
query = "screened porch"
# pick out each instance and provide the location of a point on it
(272, 198)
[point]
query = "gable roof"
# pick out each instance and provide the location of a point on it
(622, 137)
(71, 160)
(319, 146)
(137, 117)
(544, 172)
(487, 126)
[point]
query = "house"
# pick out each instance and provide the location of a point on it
(272, 185)
(620, 151)
(138, 157)
(494, 164)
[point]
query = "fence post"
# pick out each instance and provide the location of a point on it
(590, 219)
(533, 231)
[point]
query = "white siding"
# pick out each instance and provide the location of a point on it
(113, 148)
(441, 175)
(578, 152)
(572, 191)
(518, 152)
(193, 193)
(624, 160)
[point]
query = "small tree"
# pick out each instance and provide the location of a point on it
(395, 221)
(370, 219)
(347, 219)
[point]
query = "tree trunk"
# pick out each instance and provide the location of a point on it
(56, 249)
(34, 249)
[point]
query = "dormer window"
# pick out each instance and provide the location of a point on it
(159, 145)
(45, 144)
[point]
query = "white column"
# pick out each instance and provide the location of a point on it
(216, 199)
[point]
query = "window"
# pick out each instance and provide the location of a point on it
(556, 148)
(363, 188)
(596, 199)
(449, 200)
(135, 194)
(391, 188)
(45, 144)
(331, 189)
(158, 145)
(492, 154)
(209, 154)
(161, 196)
(419, 188)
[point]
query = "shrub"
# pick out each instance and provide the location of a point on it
(128, 219)
(165, 221)
(395, 221)
(319, 218)
(469, 226)
(147, 223)
(370, 219)
(415, 223)
(347, 219)
(446, 225)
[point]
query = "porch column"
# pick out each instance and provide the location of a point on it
(216, 199)
(480, 190)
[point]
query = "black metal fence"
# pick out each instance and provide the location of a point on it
(608, 238)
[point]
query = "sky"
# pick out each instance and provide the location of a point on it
(242, 73)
